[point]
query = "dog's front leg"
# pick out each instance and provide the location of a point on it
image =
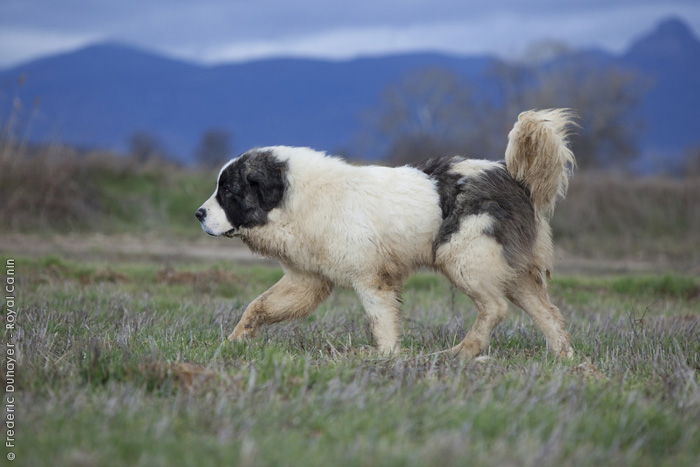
(383, 306)
(295, 296)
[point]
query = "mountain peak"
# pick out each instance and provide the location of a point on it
(672, 39)
(674, 27)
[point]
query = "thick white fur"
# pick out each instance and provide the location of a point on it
(347, 222)
(369, 227)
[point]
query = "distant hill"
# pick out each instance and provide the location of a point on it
(101, 95)
(670, 58)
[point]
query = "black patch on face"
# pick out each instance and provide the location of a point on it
(493, 192)
(250, 187)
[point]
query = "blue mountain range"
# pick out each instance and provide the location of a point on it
(101, 95)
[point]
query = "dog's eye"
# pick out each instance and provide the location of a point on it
(225, 191)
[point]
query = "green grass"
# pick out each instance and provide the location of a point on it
(151, 200)
(97, 192)
(639, 287)
(126, 363)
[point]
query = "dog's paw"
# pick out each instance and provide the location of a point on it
(241, 333)
(465, 351)
(566, 352)
(394, 350)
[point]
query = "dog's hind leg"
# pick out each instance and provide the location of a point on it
(295, 296)
(530, 294)
(491, 310)
(474, 263)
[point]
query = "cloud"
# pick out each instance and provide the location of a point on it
(19, 44)
(214, 31)
(505, 34)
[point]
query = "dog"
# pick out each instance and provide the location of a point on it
(483, 224)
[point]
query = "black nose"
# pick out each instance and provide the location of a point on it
(201, 214)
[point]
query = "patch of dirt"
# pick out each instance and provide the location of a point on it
(188, 376)
(212, 276)
(588, 370)
(104, 275)
(126, 247)
(568, 263)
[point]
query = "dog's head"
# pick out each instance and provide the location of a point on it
(248, 187)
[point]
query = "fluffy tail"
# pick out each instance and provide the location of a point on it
(538, 155)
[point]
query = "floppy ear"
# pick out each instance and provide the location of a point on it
(267, 180)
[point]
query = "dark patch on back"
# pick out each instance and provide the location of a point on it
(250, 187)
(493, 192)
(439, 169)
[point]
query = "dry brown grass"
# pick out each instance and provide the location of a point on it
(609, 215)
(45, 188)
(61, 189)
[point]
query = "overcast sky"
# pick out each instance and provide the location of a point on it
(213, 31)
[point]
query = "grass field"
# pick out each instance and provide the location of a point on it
(123, 310)
(125, 362)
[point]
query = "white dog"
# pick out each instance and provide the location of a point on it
(483, 224)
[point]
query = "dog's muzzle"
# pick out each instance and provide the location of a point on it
(201, 215)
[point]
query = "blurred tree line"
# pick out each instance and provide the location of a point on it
(215, 148)
(436, 112)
